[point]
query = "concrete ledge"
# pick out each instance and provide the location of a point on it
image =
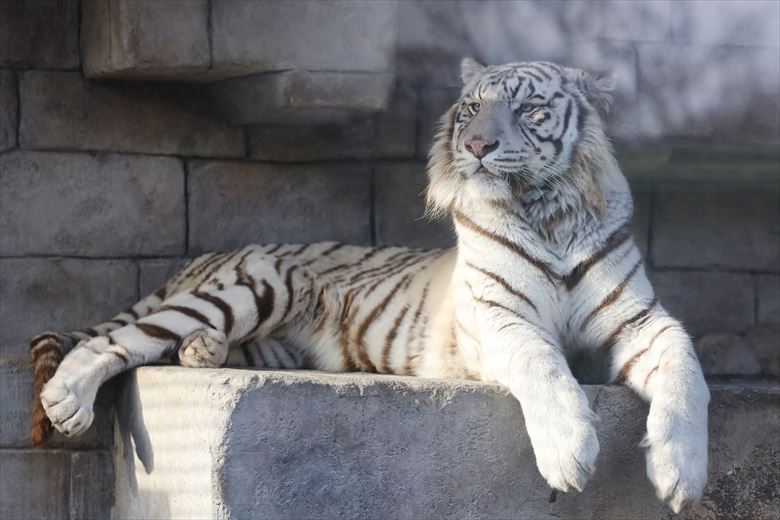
(265, 444)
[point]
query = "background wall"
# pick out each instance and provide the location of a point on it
(106, 188)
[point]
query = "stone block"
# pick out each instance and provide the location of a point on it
(726, 354)
(34, 484)
(431, 42)
(743, 452)
(389, 134)
(768, 293)
(643, 162)
(91, 484)
(86, 205)
(636, 20)
(155, 273)
(40, 294)
(309, 35)
(433, 104)
(399, 205)
(301, 96)
(146, 39)
(62, 110)
(675, 101)
(16, 412)
(764, 342)
(730, 22)
(396, 128)
(233, 204)
(312, 445)
(643, 199)
(707, 302)
(711, 226)
(350, 139)
(39, 34)
(8, 110)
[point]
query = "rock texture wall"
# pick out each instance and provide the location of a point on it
(107, 187)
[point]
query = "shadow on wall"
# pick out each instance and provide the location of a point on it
(694, 68)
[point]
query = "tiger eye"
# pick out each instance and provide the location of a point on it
(539, 116)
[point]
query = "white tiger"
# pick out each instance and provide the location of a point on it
(545, 265)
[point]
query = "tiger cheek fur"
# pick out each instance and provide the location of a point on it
(545, 263)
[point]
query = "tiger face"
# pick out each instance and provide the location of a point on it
(516, 128)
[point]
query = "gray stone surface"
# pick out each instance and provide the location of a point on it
(16, 387)
(39, 34)
(62, 110)
(156, 272)
(730, 22)
(399, 206)
(351, 139)
(768, 291)
(433, 104)
(232, 204)
(302, 96)
(34, 484)
(675, 101)
(87, 205)
(40, 294)
(643, 200)
(764, 342)
(707, 302)
(433, 36)
(396, 127)
(708, 226)
(309, 35)
(726, 354)
(145, 39)
(743, 469)
(388, 134)
(8, 110)
(636, 20)
(310, 445)
(431, 42)
(92, 485)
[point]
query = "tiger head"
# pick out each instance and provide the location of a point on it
(519, 130)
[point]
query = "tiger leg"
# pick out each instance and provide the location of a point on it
(558, 419)
(657, 360)
(261, 298)
(48, 349)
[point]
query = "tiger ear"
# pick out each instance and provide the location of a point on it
(597, 89)
(469, 69)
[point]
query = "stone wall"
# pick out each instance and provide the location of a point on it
(107, 187)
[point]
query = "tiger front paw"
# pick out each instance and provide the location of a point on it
(205, 348)
(676, 459)
(566, 453)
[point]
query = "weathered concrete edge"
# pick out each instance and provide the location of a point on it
(230, 400)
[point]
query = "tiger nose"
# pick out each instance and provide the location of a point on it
(480, 147)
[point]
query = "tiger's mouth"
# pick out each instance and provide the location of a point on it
(482, 171)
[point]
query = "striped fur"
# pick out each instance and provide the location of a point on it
(545, 264)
